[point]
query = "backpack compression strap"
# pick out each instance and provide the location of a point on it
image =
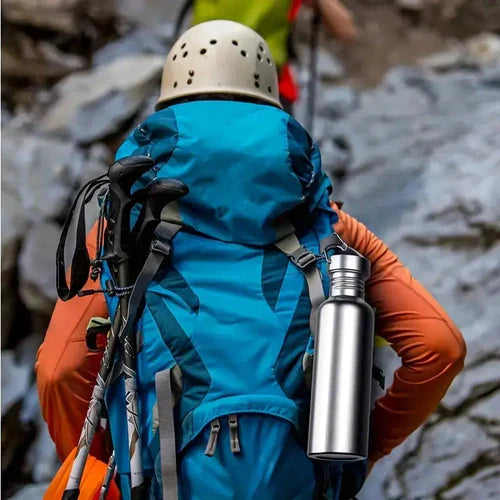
(166, 429)
(306, 261)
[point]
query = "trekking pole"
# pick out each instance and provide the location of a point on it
(126, 172)
(120, 183)
(156, 196)
(110, 471)
(313, 66)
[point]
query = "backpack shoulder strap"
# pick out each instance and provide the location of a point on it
(306, 261)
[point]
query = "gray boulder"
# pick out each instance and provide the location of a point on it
(15, 380)
(473, 383)
(148, 12)
(487, 410)
(38, 61)
(64, 16)
(31, 492)
(37, 267)
(151, 40)
(418, 158)
(59, 15)
(482, 486)
(40, 172)
(445, 453)
(93, 104)
(13, 229)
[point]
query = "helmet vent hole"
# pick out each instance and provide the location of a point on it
(243, 53)
(183, 45)
(203, 51)
(185, 54)
(191, 72)
(259, 57)
(175, 57)
(190, 81)
(213, 42)
(235, 42)
(269, 89)
(175, 85)
(261, 48)
(257, 84)
(269, 61)
(256, 76)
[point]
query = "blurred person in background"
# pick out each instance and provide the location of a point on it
(408, 317)
(274, 21)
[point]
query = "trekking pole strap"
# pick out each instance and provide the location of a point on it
(160, 250)
(80, 262)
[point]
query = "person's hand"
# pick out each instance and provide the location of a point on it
(338, 20)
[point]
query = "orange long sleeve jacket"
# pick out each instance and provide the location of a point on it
(408, 317)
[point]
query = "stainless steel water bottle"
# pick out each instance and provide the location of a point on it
(342, 369)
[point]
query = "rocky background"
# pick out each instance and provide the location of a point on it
(408, 120)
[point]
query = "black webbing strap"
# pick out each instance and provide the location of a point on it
(80, 262)
(161, 247)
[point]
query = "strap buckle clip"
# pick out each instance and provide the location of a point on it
(161, 247)
(304, 259)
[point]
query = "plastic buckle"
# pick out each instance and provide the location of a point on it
(161, 247)
(110, 288)
(304, 260)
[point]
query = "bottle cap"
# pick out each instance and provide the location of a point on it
(343, 262)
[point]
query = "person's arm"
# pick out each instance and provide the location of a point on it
(431, 347)
(66, 370)
(337, 19)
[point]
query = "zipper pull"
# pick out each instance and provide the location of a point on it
(212, 441)
(233, 433)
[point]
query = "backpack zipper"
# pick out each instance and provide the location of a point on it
(233, 433)
(214, 434)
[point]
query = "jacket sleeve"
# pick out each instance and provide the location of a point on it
(66, 370)
(430, 346)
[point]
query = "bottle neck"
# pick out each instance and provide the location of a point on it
(347, 282)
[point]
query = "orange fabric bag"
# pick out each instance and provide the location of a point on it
(90, 487)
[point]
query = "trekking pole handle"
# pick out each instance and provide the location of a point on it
(122, 175)
(155, 197)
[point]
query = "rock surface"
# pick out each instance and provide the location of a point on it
(37, 273)
(93, 104)
(40, 171)
(63, 16)
(31, 492)
(15, 380)
(416, 157)
(419, 161)
(484, 486)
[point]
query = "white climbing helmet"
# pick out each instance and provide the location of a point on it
(220, 57)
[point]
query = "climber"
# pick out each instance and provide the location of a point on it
(274, 21)
(260, 159)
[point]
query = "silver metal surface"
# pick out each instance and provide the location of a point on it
(348, 274)
(342, 369)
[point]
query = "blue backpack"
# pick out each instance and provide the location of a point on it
(224, 329)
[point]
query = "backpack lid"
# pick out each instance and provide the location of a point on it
(246, 166)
